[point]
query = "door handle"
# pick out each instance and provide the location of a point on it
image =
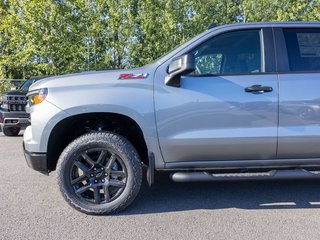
(258, 89)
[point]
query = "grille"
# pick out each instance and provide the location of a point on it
(17, 103)
(17, 107)
(17, 98)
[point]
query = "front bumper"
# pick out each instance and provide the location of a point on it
(14, 119)
(36, 161)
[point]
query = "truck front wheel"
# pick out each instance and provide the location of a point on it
(11, 131)
(99, 173)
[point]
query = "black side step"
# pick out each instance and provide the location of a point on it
(273, 174)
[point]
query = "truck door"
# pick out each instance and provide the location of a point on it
(299, 95)
(227, 109)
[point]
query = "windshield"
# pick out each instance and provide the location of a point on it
(27, 84)
(176, 47)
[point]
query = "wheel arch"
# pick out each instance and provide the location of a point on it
(71, 127)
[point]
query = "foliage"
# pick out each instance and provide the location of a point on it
(281, 10)
(5, 86)
(51, 37)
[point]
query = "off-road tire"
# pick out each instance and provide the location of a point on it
(115, 144)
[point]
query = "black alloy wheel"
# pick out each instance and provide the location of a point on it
(98, 175)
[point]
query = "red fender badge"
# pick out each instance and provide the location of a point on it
(133, 76)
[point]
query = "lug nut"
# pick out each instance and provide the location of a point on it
(106, 174)
(91, 175)
(95, 181)
(102, 180)
(94, 169)
(102, 168)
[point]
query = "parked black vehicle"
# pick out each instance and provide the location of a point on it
(13, 116)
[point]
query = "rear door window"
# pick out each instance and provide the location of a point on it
(303, 46)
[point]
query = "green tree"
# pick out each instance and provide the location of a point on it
(280, 10)
(51, 37)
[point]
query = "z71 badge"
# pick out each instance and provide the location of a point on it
(133, 76)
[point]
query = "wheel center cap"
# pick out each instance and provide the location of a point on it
(99, 174)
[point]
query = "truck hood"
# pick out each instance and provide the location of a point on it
(15, 92)
(93, 78)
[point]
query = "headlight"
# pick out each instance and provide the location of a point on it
(4, 106)
(3, 98)
(37, 96)
(3, 102)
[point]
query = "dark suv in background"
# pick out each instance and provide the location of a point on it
(13, 116)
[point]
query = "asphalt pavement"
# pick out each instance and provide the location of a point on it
(31, 207)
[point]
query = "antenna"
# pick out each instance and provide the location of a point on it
(212, 25)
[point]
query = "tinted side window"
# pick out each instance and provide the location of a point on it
(303, 46)
(230, 53)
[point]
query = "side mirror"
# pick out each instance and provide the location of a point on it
(179, 66)
(14, 88)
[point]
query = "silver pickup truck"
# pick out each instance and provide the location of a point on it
(237, 102)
